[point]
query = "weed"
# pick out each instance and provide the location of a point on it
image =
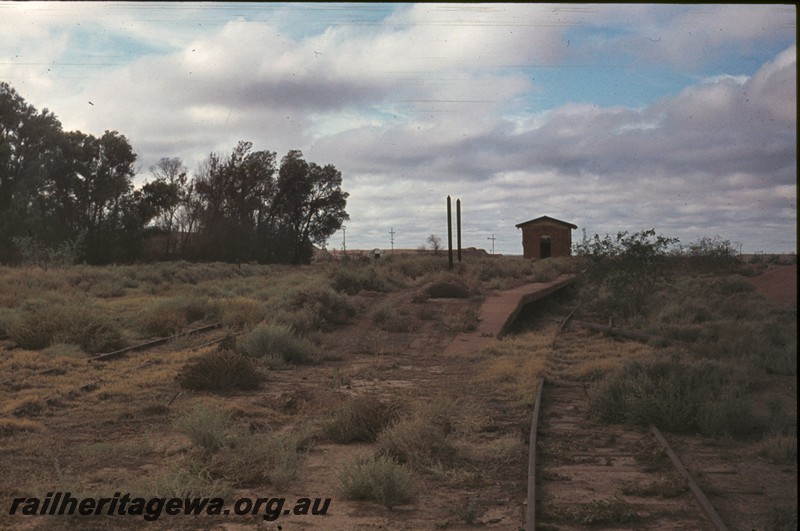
(277, 344)
(379, 479)
(220, 371)
(206, 427)
(351, 280)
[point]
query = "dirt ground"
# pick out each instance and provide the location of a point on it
(778, 283)
(408, 367)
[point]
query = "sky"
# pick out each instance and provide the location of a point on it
(614, 117)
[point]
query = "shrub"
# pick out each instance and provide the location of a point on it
(277, 343)
(625, 271)
(206, 427)
(360, 419)
(352, 280)
(220, 371)
(239, 312)
(378, 479)
(448, 288)
(388, 318)
(41, 325)
(678, 396)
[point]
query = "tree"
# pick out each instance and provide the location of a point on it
(310, 204)
(435, 243)
(27, 140)
(235, 198)
(169, 193)
(104, 194)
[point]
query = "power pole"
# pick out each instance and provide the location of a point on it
(391, 235)
(493, 239)
(344, 239)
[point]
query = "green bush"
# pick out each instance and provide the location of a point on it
(378, 479)
(220, 371)
(277, 344)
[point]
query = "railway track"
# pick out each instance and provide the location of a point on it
(586, 475)
(104, 373)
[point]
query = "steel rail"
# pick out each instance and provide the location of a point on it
(531, 512)
(152, 343)
(705, 505)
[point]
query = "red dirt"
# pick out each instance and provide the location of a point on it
(778, 283)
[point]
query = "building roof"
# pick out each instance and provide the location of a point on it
(546, 219)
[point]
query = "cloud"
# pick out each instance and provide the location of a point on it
(417, 101)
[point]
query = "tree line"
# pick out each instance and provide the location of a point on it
(69, 196)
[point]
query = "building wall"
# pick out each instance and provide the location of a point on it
(560, 240)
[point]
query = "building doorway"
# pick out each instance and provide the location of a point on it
(545, 249)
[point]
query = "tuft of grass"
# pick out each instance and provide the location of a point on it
(379, 479)
(679, 396)
(41, 325)
(167, 317)
(64, 349)
(360, 419)
(11, 426)
(252, 460)
(780, 449)
(205, 426)
(419, 440)
(220, 371)
(388, 318)
(239, 312)
(277, 344)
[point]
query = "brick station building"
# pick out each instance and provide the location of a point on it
(545, 236)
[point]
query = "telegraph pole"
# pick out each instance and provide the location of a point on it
(391, 236)
(493, 239)
(449, 235)
(344, 239)
(458, 227)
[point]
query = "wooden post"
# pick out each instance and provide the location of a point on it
(458, 227)
(449, 234)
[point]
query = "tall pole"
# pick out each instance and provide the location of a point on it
(391, 237)
(493, 239)
(344, 239)
(449, 235)
(458, 227)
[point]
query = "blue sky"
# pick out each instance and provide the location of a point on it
(614, 117)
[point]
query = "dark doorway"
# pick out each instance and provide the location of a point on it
(544, 247)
